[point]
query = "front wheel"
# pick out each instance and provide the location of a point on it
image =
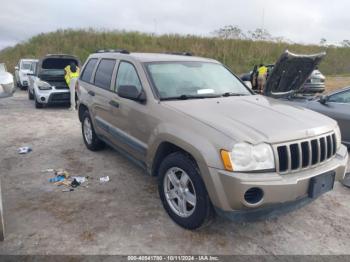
(183, 192)
(38, 105)
(91, 140)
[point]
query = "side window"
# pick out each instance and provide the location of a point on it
(104, 72)
(89, 68)
(343, 97)
(127, 76)
(32, 67)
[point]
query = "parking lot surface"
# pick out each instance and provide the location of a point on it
(125, 215)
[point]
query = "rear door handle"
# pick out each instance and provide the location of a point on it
(91, 93)
(114, 103)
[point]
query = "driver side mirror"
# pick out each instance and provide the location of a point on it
(323, 99)
(16, 68)
(131, 92)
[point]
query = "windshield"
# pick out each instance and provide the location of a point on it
(26, 65)
(194, 80)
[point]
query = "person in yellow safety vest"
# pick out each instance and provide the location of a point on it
(262, 74)
(71, 74)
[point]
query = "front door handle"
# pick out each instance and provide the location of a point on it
(91, 93)
(114, 103)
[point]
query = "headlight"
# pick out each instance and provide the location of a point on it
(247, 157)
(337, 137)
(42, 85)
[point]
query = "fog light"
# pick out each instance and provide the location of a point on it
(42, 98)
(253, 195)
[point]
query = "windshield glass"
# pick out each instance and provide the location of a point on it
(194, 79)
(26, 65)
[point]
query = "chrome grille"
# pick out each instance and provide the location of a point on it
(303, 154)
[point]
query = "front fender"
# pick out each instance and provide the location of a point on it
(196, 144)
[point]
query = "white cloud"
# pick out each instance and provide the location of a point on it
(298, 20)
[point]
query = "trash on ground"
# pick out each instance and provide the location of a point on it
(80, 179)
(56, 179)
(64, 182)
(62, 173)
(63, 178)
(104, 179)
(24, 150)
(75, 183)
(68, 190)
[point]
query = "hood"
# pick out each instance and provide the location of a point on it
(57, 61)
(255, 118)
(290, 72)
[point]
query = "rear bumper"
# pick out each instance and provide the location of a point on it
(278, 190)
(317, 87)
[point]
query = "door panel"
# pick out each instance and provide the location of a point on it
(339, 112)
(131, 120)
(100, 94)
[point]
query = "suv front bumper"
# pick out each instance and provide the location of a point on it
(279, 191)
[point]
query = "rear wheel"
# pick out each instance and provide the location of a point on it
(183, 192)
(91, 140)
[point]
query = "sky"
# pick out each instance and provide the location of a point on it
(300, 21)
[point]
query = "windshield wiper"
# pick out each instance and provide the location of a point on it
(184, 97)
(232, 94)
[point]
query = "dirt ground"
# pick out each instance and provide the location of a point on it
(125, 215)
(335, 82)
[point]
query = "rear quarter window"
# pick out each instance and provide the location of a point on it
(104, 72)
(89, 68)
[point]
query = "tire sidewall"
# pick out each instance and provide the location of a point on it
(202, 209)
(96, 143)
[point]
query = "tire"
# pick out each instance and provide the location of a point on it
(194, 216)
(30, 95)
(93, 143)
(37, 104)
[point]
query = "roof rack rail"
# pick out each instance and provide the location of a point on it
(122, 51)
(180, 53)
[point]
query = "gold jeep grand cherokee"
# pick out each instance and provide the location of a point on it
(214, 145)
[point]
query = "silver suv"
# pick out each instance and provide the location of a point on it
(213, 144)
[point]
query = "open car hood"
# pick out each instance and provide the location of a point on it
(289, 73)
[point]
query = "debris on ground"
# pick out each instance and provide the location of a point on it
(63, 178)
(24, 150)
(104, 179)
(65, 182)
(57, 179)
(80, 179)
(75, 183)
